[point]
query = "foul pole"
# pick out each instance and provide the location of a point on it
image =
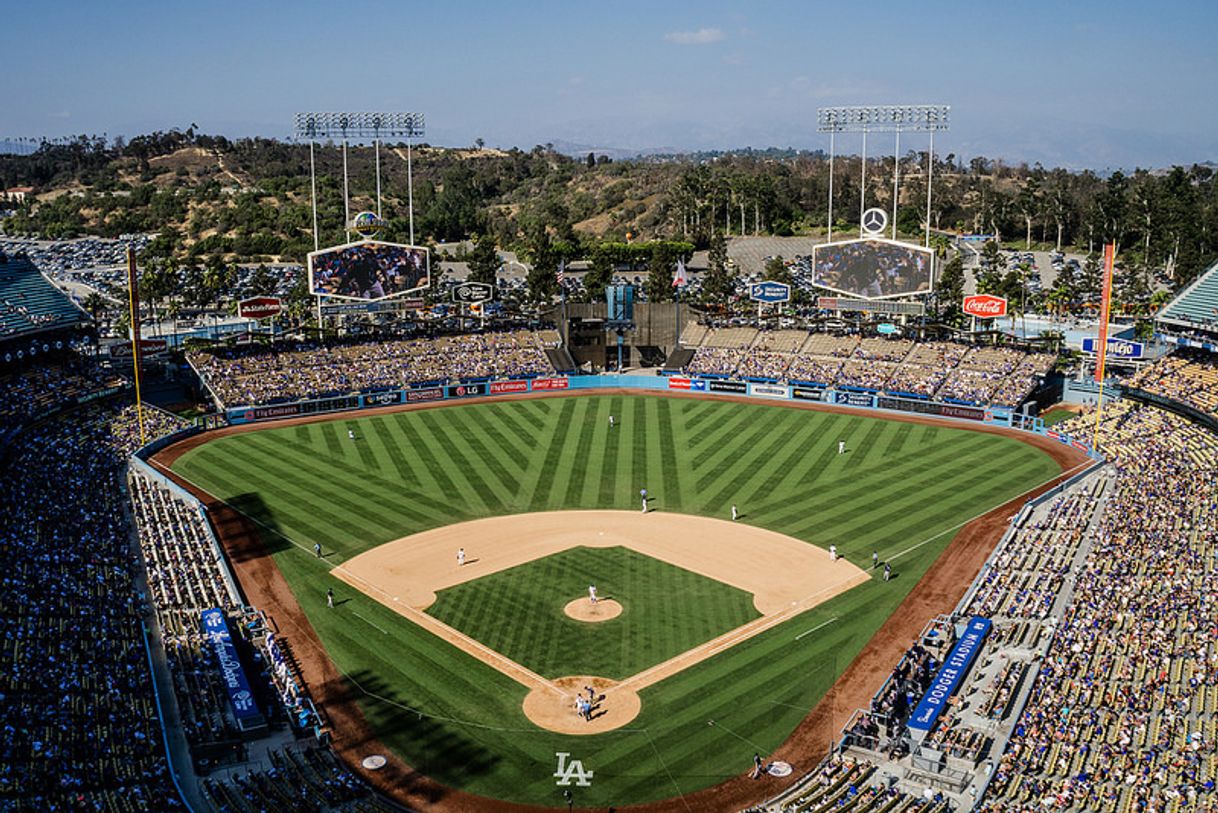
(132, 304)
(1101, 351)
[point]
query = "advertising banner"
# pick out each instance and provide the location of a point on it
(1120, 348)
(149, 348)
(509, 386)
(549, 384)
(471, 293)
(950, 676)
(465, 390)
(953, 411)
(727, 386)
(863, 399)
(215, 631)
(807, 394)
(985, 306)
(769, 391)
(383, 398)
(425, 394)
(260, 307)
(696, 385)
(277, 411)
(770, 292)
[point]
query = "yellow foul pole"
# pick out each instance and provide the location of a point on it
(1101, 350)
(133, 304)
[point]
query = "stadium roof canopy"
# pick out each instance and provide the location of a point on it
(1196, 307)
(30, 303)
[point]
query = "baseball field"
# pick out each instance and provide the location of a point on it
(724, 636)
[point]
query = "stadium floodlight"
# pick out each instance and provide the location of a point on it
(357, 125)
(884, 118)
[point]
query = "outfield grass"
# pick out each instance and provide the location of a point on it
(901, 490)
(695, 609)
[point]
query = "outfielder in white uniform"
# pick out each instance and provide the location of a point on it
(841, 447)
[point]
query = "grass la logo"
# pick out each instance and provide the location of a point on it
(571, 771)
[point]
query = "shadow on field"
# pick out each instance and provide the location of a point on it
(244, 538)
(439, 748)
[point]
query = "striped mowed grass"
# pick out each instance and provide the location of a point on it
(900, 490)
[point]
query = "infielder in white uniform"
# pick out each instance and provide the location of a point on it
(733, 513)
(592, 593)
(460, 557)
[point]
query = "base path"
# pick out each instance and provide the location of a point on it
(785, 576)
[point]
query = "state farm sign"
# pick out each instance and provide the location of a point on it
(985, 306)
(259, 307)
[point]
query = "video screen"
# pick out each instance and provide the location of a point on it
(368, 270)
(872, 268)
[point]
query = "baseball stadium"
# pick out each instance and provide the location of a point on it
(844, 538)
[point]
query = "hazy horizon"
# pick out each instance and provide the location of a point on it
(1088, 85)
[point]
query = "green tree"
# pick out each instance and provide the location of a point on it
(661, 266)
(600, 275)
(776, 270)
(717, 285)
(484, 262)
(951, 291)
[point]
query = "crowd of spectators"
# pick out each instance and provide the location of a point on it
(856, 785)
(1186, 377)
(308, 780)
(1124, 711)
(40, 390)
(1001, 376)
(255, 375)
(81, 730)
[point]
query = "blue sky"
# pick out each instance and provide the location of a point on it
(1097, 84)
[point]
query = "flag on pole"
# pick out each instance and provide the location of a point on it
(1101, 350)
(678, 279)
(561, 274)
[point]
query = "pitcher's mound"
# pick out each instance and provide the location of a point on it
(582, 609)
(553, 707)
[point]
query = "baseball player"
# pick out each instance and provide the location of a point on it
(610, 421)
(460, 557)
(833, 553)
(841, 447)
(592, 593)
(887, 571)
(317, 549)
(643, 494)
(351, 434)
(875, 559)
(733, 513)
(330, 598)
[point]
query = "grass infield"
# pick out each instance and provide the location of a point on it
(695, 609)
(901, 488)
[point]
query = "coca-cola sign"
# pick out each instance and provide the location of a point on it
(985, 306)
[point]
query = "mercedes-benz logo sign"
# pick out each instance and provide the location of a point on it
(874, 221)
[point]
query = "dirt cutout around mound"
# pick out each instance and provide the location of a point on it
(785, 576)
(582, 609)
(353, 738)
(554, 707)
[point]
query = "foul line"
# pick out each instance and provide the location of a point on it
(960, 525)
(369, 623)
(814, 629)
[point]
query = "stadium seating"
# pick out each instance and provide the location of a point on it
(1124, 711)
(258, 375)
(1191, 378)
(76, 697)
(30, 303)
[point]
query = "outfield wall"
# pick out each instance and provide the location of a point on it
(858, 399)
